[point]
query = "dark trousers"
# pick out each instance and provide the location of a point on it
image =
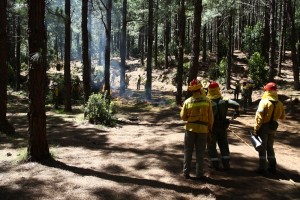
(219, 136)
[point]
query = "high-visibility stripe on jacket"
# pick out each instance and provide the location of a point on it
(264, 112)
(197, 112)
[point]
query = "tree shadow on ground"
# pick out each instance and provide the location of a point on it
(241, 182)
(24, 189)
(127, 180)
(67, 134)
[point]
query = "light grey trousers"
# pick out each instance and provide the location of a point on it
(191, 140)
(267, 153)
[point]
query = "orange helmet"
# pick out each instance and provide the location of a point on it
(213, 85)
(270, 86)
(194, 85)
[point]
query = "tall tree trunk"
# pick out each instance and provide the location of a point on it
(193, 71)
(107, 46)
(210, 40)
(291, 15)
(38, 149)
(141, 44)
(167, 34)
(67, 68)
(5, 126)
(266, 40)
(90, 10)
(188, 32)
(272, 41)
(218, 42)
(204, 54)
(181, 26)
(149, 54)
(167, 41)
(175, 34)
(128, 45)
(78, 46)
(282, 35)
(156, 36)
(11, 30)
(18, 54)
(229, 50)
(123, 47)
(85, 52)
(61, 46)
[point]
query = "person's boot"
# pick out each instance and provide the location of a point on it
(226, 164)
(272, 168)
(215, 165)
(261, 172)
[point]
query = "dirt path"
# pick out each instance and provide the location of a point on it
(141, 159)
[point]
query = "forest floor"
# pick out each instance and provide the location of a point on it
(141, 158)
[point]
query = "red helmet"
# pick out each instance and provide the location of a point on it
(194, 85)
(213, 85)
(270, 86)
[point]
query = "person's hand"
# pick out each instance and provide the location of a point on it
(254, 132)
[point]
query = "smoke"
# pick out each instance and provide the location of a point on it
(97, 76)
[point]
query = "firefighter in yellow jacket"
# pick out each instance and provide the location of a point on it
(198, 114)
(270, 109)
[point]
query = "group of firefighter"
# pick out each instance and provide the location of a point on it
(205, 114)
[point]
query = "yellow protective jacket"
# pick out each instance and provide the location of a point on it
(198, 114)
(265, 109)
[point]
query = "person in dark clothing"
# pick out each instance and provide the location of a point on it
(237, 90)
(138, 84)
(220, 107)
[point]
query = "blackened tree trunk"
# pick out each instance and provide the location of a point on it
(123, 47)
(5, 126)
(272, 41)
(107, 46)
(149, 55)
(193, 71)
(38, 149)
(291, 17)
(85, 52)
(67, 70)
(18, 54)
(181, 26)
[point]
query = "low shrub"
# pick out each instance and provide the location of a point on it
(99, 110)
